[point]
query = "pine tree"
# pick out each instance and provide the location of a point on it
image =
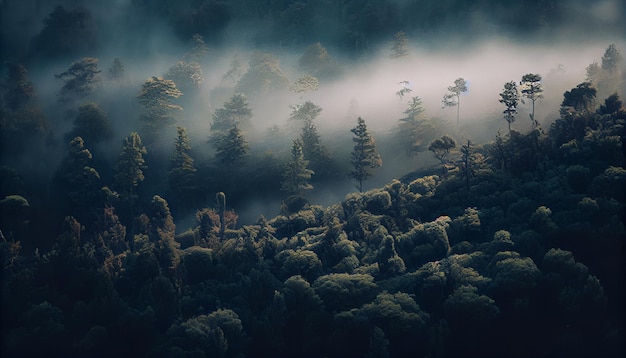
(296, 175)
(19, 89)
(415, 130)
(92, 124)
(532, 89)
(399, 45)
(510, 98)
(182, 174)
(231, 147)
(235, 112)
(364, 157)
(453, 97)
(157, 97)
(130, 166)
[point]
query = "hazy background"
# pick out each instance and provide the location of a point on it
(487, 43)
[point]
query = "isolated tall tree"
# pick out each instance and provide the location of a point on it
(19, 89)
(510, 98)
(364, 156)
(415, 130)
(453, 97)
(92, 124)
(157, 98)
(80, 79)
(468, 159)
(399, 45)
(182, 175)
(296, 175)
(532, 89)
(235, 112)
(130, 166)
(231, 147)
(117, 71)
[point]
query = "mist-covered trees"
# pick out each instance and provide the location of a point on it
(157, 97)
(182, 177)
(364, 156)
(453, 97)
(19, 89)
(415, 130)
(130, 166)
(80, 79)
(264, 75)
(234, 112)
(231, 147)
(510, 98)
(296, 175)
(399, 45)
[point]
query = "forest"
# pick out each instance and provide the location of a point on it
(279, 178)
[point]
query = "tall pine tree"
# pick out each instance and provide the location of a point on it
(364, 156)
(182, 178)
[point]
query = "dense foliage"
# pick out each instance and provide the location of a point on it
(511, 247)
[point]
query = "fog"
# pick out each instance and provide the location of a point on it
(363, 85)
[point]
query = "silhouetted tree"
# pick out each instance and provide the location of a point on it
(399, 45)
(453, 97)
(235, 112)
(415, 129)
(364, 156)
(81, 79)
(510, 98)
(19, 89)
(441, 149)
(92, 124)
(231, 147)
(117, 71)
(296, 175)
(182, 175)
(130, 166)
(532, 89)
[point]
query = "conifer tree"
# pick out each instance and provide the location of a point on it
(532, 89)
(235, 112)
(157, 97)
(19, 89)
(92, 124)
(510, 98)
(231, 147)
(117, 70)
(81, 79)
(296, 175)
(399, 45)
(453, 97)
(364, 156)
(130, 166)
(182, 174)
(415, 130)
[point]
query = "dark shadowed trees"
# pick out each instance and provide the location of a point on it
(19, 89)
(182, 177)
(296, 175)
(235, 112)
(364, 156)
(231, 147)
(92, 124)
(81, 79)
(130, 166)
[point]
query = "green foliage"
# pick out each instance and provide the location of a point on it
(187, 76)
(532, 89)
(235, 112)
(364, 156)
(415, 129)
(441, 148)
(343, 291)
